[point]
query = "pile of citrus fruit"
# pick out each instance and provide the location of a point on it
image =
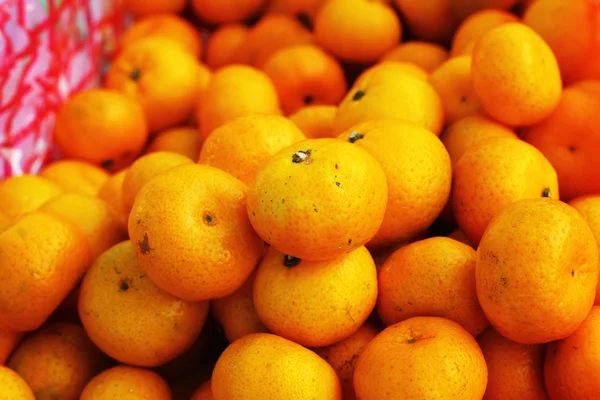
(320, 200)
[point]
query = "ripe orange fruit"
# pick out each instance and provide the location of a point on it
(112, 193)
(419, 358)
(304, 10)
(315, 121)
(184, 141)
(388, 70)
(5, 222)
(305, 75)
(358, 31)
(129, 318)
(409, 155)
(342, 356)
(76, 176)
(240, 146)
(431, 20)
(185, 206)
(493, 174)
(13, 386)
(8, 342)
(318, 199)
(232, 92)
(266, 366)
(432, 277)
(23, 194)
(549, 298)
(533, 90)
(570, 139)
(475, 26)
(572, 363)
(144, 72)
(43, 257)
(465, 8)
(164, 25)
(515, 370)
(58, 361)
(460, 236)
(224, 44)
(426, 55)
(226, 11)
(293, 297)
(127, 383)
(102, 127)
(204, 392)
(140, 8)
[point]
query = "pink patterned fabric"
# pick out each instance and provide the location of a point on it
(49, 49)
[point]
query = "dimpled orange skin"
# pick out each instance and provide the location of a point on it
(572, 364)
(14, 386)
(101, 126)
(224, 43)
(320, 205)
(389, 70)
(537, 271)
(426, 55)
(298, 302)
(315, 121)
(184, 141)
(475, 26)
(515, 75)
(305, 75)
(43, 258)
(204, 392)
(127, 383)
(233, 91)
(418, 172)
(129, 317)
(5, 222)
(145, 169)
(265, 366)
(23, 194)
(431, 20)
(494, 174)
(76, 176)
(141, 8)
(434, 277)
(58, 361)
(358, 31)
(144, 72)
(112, 193)
(422, 357)
(570, 139)
(226, 11)
(96, 219)
(342, 356)
(8, 342)
(515, 370)
(469, 131)
(185, 206)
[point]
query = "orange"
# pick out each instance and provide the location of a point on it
(426, 55)
(465, 8)
(43, 258)
(184, 141)
(127, 383)
(140, 8)
(432, 277)
(129, 318)
(460, 236)
(8, 342)
(304, 10)
(146, 168)
(204, 392)
(144, 72)
(305, 75)
(204, 77)
(422, 357)
(515, 370)
(13, 386)
(58, 361)
(224, 44)
(572, 363)
(232, 92)
(537, 271)
(226, 11)
(236, 314)
(264, 366)
(102, 127)
(493, 174)
(76, 176)
(431, 20)
(469, 131)
(181, 208)
(389, 70)
(342, 356)
(5, 222)
(242, 145)
(164, 25)
(515, 75)
(112, 193)
(318, 199)
(96, 219)
(570, 139)
(410, 156)
(360, 31)
(475, 26)
(315, 121)
(23, 194)
(294, 298)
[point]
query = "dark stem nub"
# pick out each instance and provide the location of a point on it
(355, 136)
(107, 163)
(412, 340)
(123, 286)
(302, 156)
(308, 100)
(359, 94)
(135, 74)
(546, 193)
(290, 261)
(305, 20)
(209, 219)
